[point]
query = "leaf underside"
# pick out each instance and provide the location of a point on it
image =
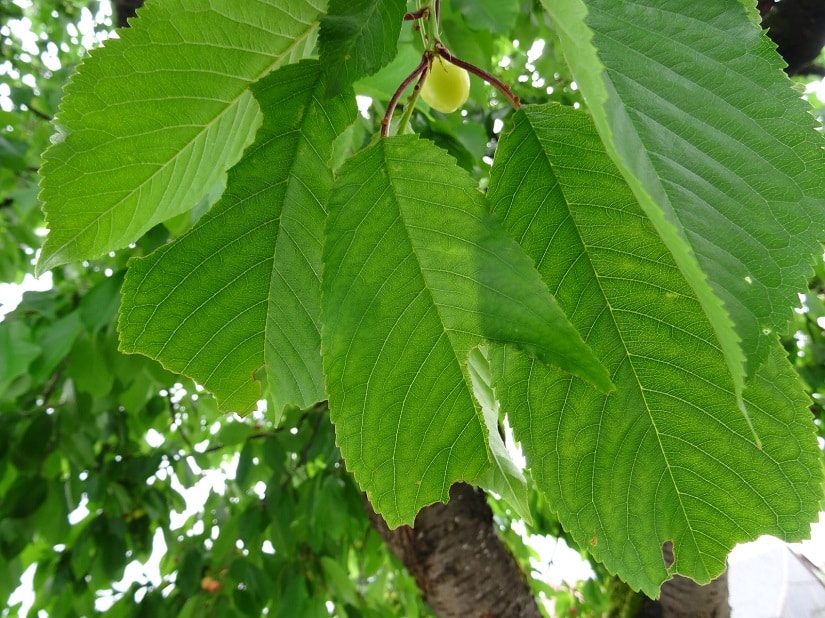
(723, 158)
(416, 274)
(669, 241)
(668, 456)
(357, 38)
(489, 15)
(153, 120)
(242, 289)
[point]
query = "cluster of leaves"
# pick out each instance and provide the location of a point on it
(84, 493)
(85, 490)
(634, 220)
(678, 289)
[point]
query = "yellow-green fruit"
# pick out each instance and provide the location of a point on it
(446, 87)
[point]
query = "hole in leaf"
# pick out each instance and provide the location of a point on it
(667, 553)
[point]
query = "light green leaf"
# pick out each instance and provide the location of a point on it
(150, 122)
(489, 15)
(233, 432)
(383, 84)
(17, 351)
(358, 37)
(473, 46)
(692, 105)
(56, 341)
(339, 580)
(416, 274)
(89, 365)
(503, 476)
(667, 457)
(242, 289)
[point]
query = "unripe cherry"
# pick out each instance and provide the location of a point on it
(446, 86)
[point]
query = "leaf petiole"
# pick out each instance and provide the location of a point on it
(408, 110)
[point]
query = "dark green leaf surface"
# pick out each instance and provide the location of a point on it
(152, 121)
(242, 289)
(17, 351)
(668, 456)
(358, 37)
(724, 160)
(416, 274)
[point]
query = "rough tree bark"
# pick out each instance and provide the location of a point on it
(683, 598)
(798, 29)
(124, 9)
(455, 555)
(463, 569)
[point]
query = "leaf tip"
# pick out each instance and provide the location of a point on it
(48, 259)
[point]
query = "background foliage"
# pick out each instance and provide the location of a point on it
(97, 449)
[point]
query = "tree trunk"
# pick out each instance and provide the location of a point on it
(683, 598)
(680, 598)
(458, 561)
(798, 29)
(125, 9)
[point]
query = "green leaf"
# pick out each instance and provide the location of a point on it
(13, 154)
(17, 351)
(503, 475)
(13, 534)
(383, 84)
(724, 160)
(667, 457)
(473, 46)
(89, 365)
(56, 341)
(37, 441)
(242, 288)
(189, 571)
(416, 274)
(489, 15)
(294, 599)
(99, 306)
(358, 37)
(151, 122)
(24, 497)
(234, 432)
(339, 580)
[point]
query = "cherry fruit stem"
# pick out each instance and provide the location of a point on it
(433, 19)
(419, 73)
(422, 13)
(408, 110)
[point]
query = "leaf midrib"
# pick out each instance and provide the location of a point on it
(230, 105)
(467, 382)
(627, 354)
